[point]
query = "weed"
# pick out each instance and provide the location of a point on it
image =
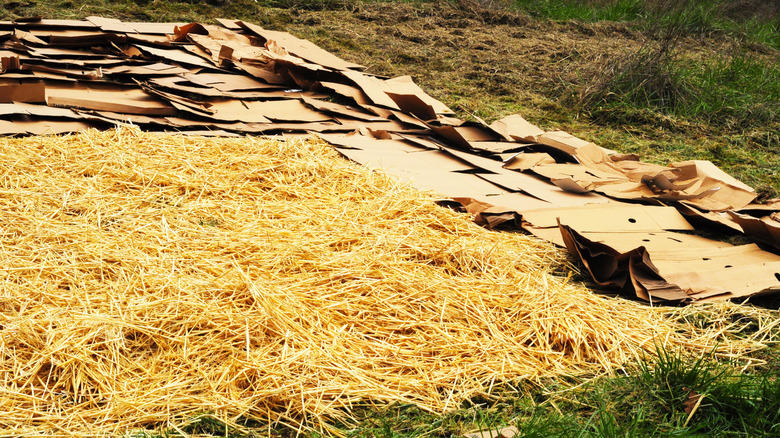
(675, 381)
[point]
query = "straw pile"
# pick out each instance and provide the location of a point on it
(146, 278)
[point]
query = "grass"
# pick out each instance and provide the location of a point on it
(736, 92)
(668, 394)
(741, 19)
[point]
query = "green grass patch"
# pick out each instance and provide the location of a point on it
(587, 11)
(668, 394)
(741, 89)
(757, 21)
(736, 92)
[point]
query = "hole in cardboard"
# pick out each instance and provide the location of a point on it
(777, 276)
(645, 240)
(706, 258)
(728, 266)
(632, 220)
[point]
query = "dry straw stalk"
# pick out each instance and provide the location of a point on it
(145, 278)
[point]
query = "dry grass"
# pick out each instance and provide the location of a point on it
(147, 278)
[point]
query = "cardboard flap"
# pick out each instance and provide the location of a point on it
(526, 161)
(606, 266)
(515, 127)
(404, 85)
(343, 90)
(412, 104)
(175, 55)
(496, 147)
(372, 87)
(713, 189)
(301, 48)
(766, 228)
(114, 25)
(334, 108)
(721, 220)
(462, 136)
(563, 141)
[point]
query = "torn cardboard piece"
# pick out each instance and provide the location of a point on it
(686, 274)
(765, 228)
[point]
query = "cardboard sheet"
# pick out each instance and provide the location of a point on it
(118, 99)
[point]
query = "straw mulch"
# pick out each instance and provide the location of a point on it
(148, 277)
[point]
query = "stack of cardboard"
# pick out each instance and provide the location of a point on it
(622, 218)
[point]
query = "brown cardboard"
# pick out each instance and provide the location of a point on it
(11, 128)
(713, 189)
(344, 90)
(517, 202)
(44, 23)
(672, 266)
(404, 85)
(426, 169)
(462, 136)
(230, 24)
(230, 50)
(58, 52)
(263, 73)
(494, 172)
(18, 91)
(562, 140)
(515, 127)
(301, 48)
(410, 120)
(413, 104)
(334, 108)
(51, 127)
(637, 171)
(229, 82)
(765, 228)
(114, 25)
(527, 161)
(721, 220)
(18, 108)
(615, 217)
(771, 205)
(156, 69)
(372, 87)
(175, 55)
(496, 147)
(118, 99)
(41, 70)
